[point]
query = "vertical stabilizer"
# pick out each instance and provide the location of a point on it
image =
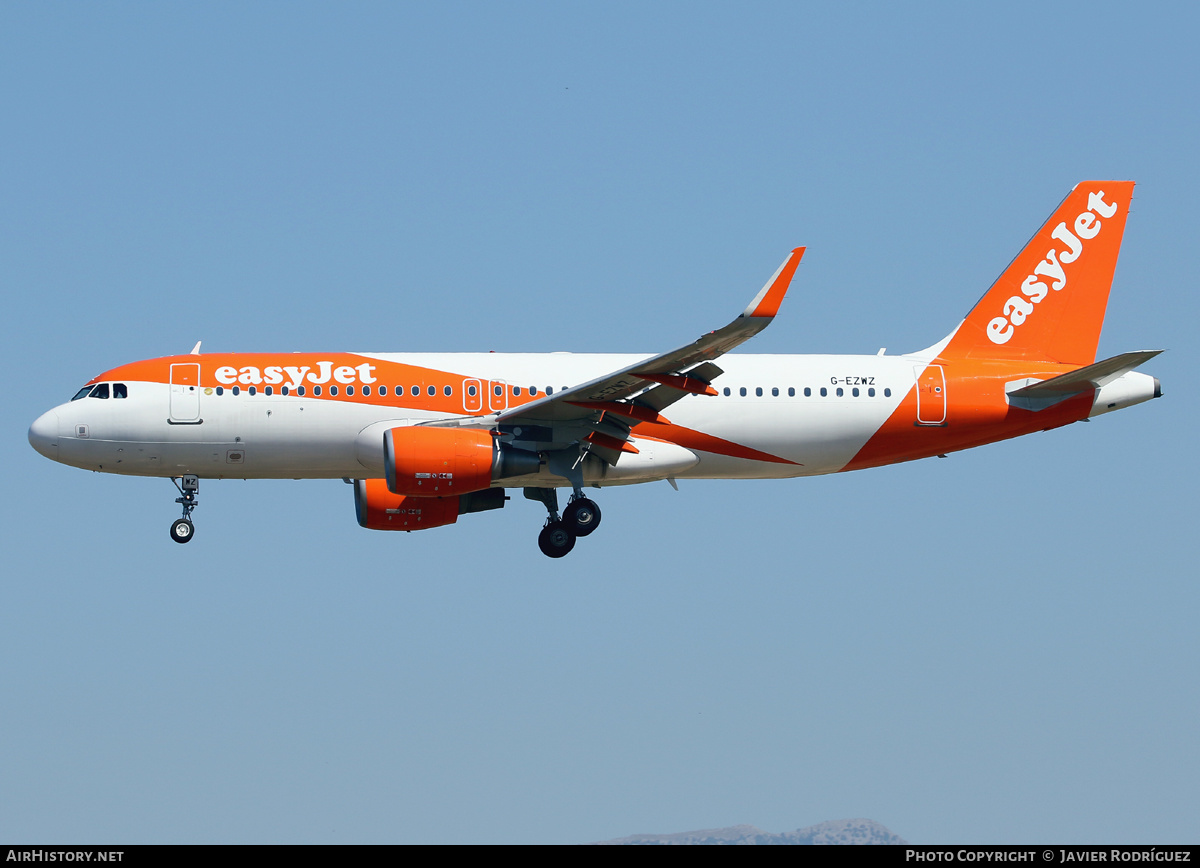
(1049, 303)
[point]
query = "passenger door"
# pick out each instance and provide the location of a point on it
(185, 394)
(931, 395)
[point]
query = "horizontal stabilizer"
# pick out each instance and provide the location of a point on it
(1039, 394)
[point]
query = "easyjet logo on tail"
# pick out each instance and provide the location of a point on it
(1033, 290)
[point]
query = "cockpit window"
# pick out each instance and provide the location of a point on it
(119, 390)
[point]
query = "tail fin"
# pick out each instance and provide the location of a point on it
(1049, 303)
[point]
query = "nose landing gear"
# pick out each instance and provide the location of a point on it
(182, 529)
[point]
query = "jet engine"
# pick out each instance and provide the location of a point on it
(438, 462)
(379, 509)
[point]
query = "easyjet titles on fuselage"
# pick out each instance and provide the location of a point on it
(251, 375)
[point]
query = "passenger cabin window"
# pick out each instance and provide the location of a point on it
(415, 391)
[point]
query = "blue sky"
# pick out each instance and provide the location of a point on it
(999, 647)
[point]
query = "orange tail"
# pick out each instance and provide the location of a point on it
(1049, 303)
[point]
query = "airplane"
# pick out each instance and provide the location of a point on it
(426, 437)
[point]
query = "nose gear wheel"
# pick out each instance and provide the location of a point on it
(182, 530)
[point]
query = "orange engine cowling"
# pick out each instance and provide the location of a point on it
(379, 509)
(439, 462)
(431, 462)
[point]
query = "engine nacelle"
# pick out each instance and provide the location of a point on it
(437, 462)
(379, 509)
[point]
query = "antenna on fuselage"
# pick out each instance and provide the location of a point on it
(196, 349)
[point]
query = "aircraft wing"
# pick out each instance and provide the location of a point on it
(610, 404)
(682, 370)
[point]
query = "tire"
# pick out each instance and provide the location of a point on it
(556, 540)
(582, 516)
(182, 531)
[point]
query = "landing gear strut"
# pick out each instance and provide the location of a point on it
(182, 529)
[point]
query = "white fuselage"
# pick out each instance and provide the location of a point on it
(260, 436)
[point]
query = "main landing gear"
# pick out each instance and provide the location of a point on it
(182, 529)
(582, 515)
(580, 518)
(556, 539)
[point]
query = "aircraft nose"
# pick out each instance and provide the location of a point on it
(43, 434)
